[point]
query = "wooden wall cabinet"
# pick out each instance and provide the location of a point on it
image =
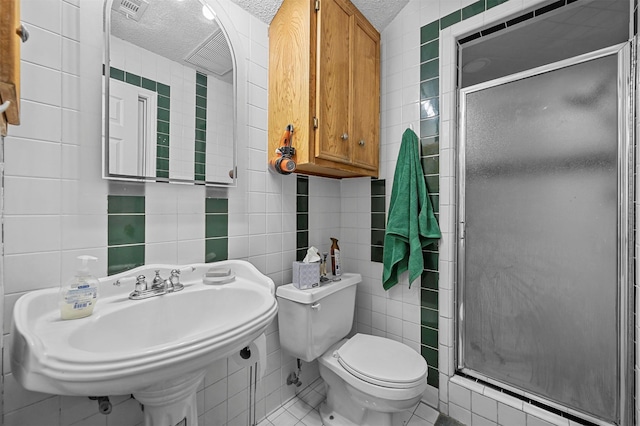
(324, 78)
(10, 38)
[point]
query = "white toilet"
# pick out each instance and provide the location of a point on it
(370, 380)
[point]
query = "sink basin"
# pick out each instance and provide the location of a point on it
(128, 346)
(203, 312)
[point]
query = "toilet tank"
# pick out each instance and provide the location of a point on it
(312, 320)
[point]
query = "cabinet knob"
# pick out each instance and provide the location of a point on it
(23, 33)
(361, 143)
(344, 136)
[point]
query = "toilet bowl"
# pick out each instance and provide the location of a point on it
(370, 380)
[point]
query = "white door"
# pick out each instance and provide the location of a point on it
(132, 130)
(542, 285)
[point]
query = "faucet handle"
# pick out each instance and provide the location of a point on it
(157, 280)
(141, 284)
(175, 280)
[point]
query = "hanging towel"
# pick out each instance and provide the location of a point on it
(411, 225)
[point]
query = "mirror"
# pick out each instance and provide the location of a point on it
(170, 99)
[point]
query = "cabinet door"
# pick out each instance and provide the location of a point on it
(10, 62)
(292, 77)
(332, 82)
(365, 96)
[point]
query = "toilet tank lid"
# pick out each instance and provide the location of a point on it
(312, 295)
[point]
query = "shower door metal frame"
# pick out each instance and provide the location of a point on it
(625, 237)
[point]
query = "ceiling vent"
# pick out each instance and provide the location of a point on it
(213, 55)
(132, 9)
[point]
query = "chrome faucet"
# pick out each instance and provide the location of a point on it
(158, 283)
(158, 286)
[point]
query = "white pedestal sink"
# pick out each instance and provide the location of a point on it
(156, 349)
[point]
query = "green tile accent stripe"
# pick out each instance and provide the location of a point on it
(476, 8)
(216, 249)
(473, 9)
(429, 70)
(116, 74)
(430, 32)
(201, 128)
(430, 158)
(493, 3)
(117, 204)
(163, 130)
(216, 229)
(430, 147)
(450, 19)
(429, 51)
(378, 218)
(125, 233)
(163, 113)
(124, 258)
(133, 79)
(216, 205)
(302, 216)
(125, 229)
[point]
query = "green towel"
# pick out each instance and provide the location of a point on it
(411, 225)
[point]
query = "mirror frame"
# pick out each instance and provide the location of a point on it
(239, 97)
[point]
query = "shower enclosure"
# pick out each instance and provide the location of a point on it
(544, 244)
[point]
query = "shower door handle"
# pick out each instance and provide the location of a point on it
(462, 230)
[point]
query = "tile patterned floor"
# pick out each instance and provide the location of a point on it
(302, 410)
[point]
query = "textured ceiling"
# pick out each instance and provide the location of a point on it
(379, 12)
(176, 29)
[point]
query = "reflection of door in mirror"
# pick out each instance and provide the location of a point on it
(132, 123)
(171, 85)
(220, 131)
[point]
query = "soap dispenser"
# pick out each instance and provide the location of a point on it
(78, 297)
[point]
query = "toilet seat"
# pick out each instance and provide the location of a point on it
(381, 361)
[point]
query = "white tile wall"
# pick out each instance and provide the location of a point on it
(261, 208)
(55, 203)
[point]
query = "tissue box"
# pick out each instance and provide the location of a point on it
(306, 275)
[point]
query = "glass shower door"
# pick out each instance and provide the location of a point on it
(539, 255)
